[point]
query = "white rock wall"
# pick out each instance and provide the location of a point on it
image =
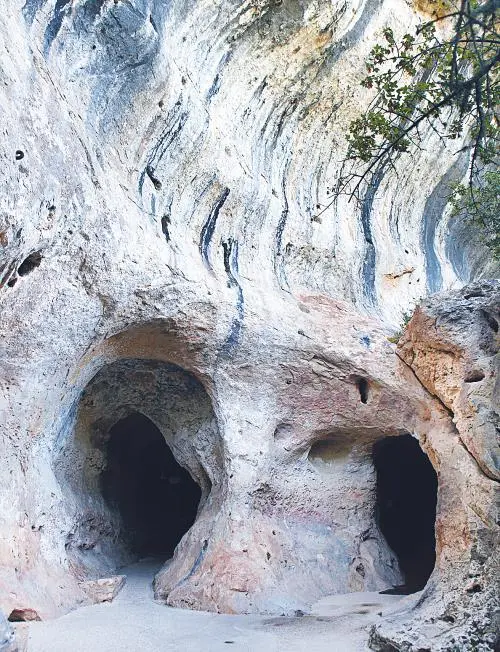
(168, 162)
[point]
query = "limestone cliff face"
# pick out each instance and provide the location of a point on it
(165, 205)
(219, 128)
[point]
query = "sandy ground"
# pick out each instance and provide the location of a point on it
(133, 622)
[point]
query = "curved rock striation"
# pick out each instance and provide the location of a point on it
(168, 245)
(222, 126)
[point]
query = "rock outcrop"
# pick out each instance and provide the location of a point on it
(104, 589)
(452, 344)
(168, 246)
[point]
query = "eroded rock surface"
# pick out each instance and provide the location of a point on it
(105, 589)
(164, 250)
(7, 642)
(452, 345)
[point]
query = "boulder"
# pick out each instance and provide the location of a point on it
(104, 589)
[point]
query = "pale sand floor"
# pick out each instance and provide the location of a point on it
(133, 622)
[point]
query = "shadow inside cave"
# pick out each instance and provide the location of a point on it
(157, 499)
(406, 507)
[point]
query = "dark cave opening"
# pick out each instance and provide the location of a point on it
(156, 497)
(406, 506)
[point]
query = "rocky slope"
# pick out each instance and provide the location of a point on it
(165, 205)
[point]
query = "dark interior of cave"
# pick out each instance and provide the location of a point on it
(156, 497)
(406, 506)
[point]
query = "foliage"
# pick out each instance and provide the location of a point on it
(404, 323)
(481, 206)
(444, 77)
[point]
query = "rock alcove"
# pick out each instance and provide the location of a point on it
(136, 466)
(404, 495)
(406, 506)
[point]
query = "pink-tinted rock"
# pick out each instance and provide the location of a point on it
(23, 614)
(104, 589)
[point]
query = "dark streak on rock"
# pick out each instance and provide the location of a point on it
(433, 211)
(173, 127)
(227, 247)
(278, 237)
(280, 123)
(165, 223)
(208, 228)
(5, 278)
(230, 248)
(354, 35)
(153, 23)
(166, 219)
(54, 25)
(196, 564)
(289, 109)
(370, 253)
(168, 138)
(154, 180)
(214, 88)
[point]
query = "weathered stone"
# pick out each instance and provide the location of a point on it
(23, 614)
(7, 642)
(168, 246)
(451, 337)
(452, 345)
(105, 589)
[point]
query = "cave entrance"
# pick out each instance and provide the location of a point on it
(155, 496)
(406, 506)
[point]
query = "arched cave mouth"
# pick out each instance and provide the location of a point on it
(406, 506)
(157, 499)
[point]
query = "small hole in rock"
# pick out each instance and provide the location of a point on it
(19, 155)
(360, 569)
(447, 618)
(362, 385)
(492, 322)
(23, 615)
(474, 376)
(165, 222)
(12, 282)
(474, 293)
(29, 263)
